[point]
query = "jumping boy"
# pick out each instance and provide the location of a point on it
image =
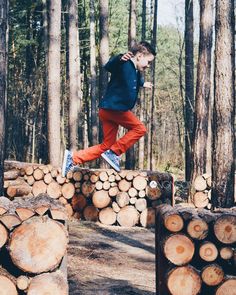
(115, 108)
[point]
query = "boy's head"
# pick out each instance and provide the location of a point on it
(144, 54)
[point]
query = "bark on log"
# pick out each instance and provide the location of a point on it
(101, 199)
(212, 275)
(91, 213)
(178, 249)
(225, 229)
(208, 251)
(122, 199)
(140, 183)
(128, 216)
(5, 204)
(15, 182)
(48, 283)
(78, 202)
(107, 216)
(11, 175)
(3, 235)
(19, 190)
(184, 281)
(228, 287)
(197, 228)
(147, 217)
(43, 240)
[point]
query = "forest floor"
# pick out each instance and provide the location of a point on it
(110, 260)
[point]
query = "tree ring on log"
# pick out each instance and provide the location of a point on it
(225, 229)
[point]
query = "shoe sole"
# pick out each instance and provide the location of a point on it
(63, 171)
(110, 162)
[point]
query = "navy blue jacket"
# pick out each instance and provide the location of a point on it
(123, 87)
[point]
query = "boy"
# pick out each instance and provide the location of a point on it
(114, 108)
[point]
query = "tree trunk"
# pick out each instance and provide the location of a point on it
(94, 125)
(223, 166)
(130, 154)
(189, 86)
(54, 138)
(203, 89)
(74, 74)
(3, 49)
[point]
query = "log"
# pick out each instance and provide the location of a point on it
(60, 179)
(24, 213)
(19, 190)
(153, 193)
(226, 253)
(133, 200)
(103, 176)
(178, 249)
(200, 183)
(11, 175)
(77, 176)
(87, 188)
(122, 199)
(184, 281)
(30, 180)
(45, 169)
(115, 207)
(39, 187)
(63, 201)
(15, 182)
(142, 194)
(54, 172)
(90, 213)
(140, 183)
(200, 200)
(48, 178)
(77, 185)
(124, 185)
(106, 185)
(69, 210)
(113, 191)
(212, 275)
(98, 185)
(112, 178)
(58, 214)
(197, 228)
(132, 192)
(68, 190)
(208, 251)
(225, 229)
(29, 170)
(117, 177)
(22, 282)
(78, 202)
(5, 205)
(94, 178)
(228, 287)
(147, 217)
(172, 220)
(101, 199)
(43, 240)
(123, 173)
(128, 216)
(48, 283)
(41, 210)
(3, 235)
(38, 174)
(141, 204)
(130, 175)
(7, 287)
(107, 216)
(10, 220)
(54, 190)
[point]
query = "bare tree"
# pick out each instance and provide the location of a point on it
(189, 86)
(223, 165)
(54, 133)
(3, 49)
(93, 78)
(203, 89)
(74, 75)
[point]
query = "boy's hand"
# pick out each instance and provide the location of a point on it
(127, 56)
(148, 85)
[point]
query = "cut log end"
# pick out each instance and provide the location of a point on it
(212, 275)
(208, 251)
(7, 287)
(225, 229)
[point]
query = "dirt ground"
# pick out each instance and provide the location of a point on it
(104, 260)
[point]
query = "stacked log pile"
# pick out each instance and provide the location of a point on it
(127, 198)
(195, 251)
(33, 246)
(201, 191)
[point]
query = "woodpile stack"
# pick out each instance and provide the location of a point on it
(127, 198)
(33, 246)
(201, 191)
(195, 251)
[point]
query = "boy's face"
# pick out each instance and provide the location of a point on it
(143, 61)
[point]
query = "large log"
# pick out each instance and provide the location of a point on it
(178, 249)
(107, 216)
(7, 287)
(39, 187)
(3, 235)
(11, 175)
(225, 229)
(228, 287)
(124, 185)
(19, 190)
(48, 283)
(122, 199)
(90, 213)
(78, 202)
(43, 240)
(183, 281)
(101, 199)
(140, 183)
(197, 228)
(200, 183)
(212, 275)
(68, 190)
(141, 204)
(128, 216)
(147, 217)
(200, 199)
(54, 190)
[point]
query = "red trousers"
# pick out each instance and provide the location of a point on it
(110, 123)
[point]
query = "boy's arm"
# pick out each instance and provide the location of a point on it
(115, 61)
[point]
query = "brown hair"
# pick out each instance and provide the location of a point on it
(143, 47)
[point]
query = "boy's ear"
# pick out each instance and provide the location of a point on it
(139, 55)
